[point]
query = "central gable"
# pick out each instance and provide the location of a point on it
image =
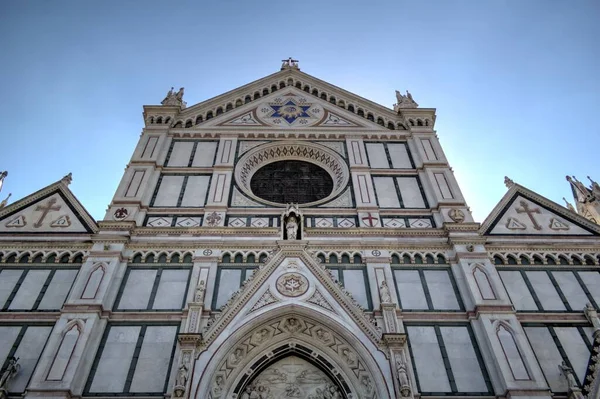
(291, 109)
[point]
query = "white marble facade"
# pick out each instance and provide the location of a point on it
(192, 286)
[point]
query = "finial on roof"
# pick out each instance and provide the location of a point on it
(3, 175)
(406, 101)
(508, 182)
(67, 179)
(5, 201)
(569, 205)
(290, 63)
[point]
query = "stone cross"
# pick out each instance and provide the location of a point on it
(530, 213)
(45, 210)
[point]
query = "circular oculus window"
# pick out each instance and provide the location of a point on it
(280, 173)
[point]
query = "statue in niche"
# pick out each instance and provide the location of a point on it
(384, 292)
(402, 377)
(291, 220)
(199, 297)
(568, 373)
(11, 370)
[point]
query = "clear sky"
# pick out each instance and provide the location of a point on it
(516, 83)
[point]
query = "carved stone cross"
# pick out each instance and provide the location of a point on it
(530, 213)
(45, 210)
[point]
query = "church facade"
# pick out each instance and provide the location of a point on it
(290, 239)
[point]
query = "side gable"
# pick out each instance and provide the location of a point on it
(524, 212)
(51, 210)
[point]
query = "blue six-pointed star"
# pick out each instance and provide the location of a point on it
(290, 111)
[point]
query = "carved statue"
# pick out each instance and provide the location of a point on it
(289, 63)
(402, 377)
(3, 175)
(175, 99)
(11, 370)
(384, 292)
(292, 228)
(508, 182)
(592, 316)
(199, 297)
(406, 101)
(182, 376)
(568, 373)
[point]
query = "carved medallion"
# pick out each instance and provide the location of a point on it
(292, 284)
(213, 219)
(207, 252)
(456, 215)
(290, 110)
(121, 214)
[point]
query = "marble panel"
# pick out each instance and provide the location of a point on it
(548, 356)
(386, 192)
(410, 289)
(354, 282)
(169, 190)
(399, 156)
(443, 185)
(428, 360)
(545, 291)
(171, 289)
(181, 153)
(8, 280)
(571, 290)
(575, 348)
(463, 360)
(229, 282)
(8, 335)
(195, 191)
(518, 292)
(513, 354)
(29, 352)
(377, 157)
(592, 282)
(153, 363)
(29, 290)
(410, 192)
(115, 360)
(59, 288)
(441, 290)
(428, 148)
(137, 289)
(205, 154)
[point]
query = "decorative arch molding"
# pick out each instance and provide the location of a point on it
(62, 357)
(314, 153)
(287, 331)
(483, 282)
(512, 350)
(94, 281)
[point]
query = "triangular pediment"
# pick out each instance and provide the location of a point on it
(524, 212)
(292, 278)
(52, 210)
(291, 108)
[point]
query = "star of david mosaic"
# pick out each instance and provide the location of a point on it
(290, 110)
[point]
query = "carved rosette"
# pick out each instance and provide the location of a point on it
(292, 284)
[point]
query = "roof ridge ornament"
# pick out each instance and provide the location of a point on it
(406, 101)
(67, 179)
(290, 63)
(174, 99)
(508, 182)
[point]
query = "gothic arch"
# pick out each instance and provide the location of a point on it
(292, 330)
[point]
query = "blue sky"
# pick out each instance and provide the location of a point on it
(515, 83)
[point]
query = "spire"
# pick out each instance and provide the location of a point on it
(595, 188)
(508, 182)
(569, 205)
(587, 200)
(406, 101)
(2, 177)
(67, 179)
(5, 201)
